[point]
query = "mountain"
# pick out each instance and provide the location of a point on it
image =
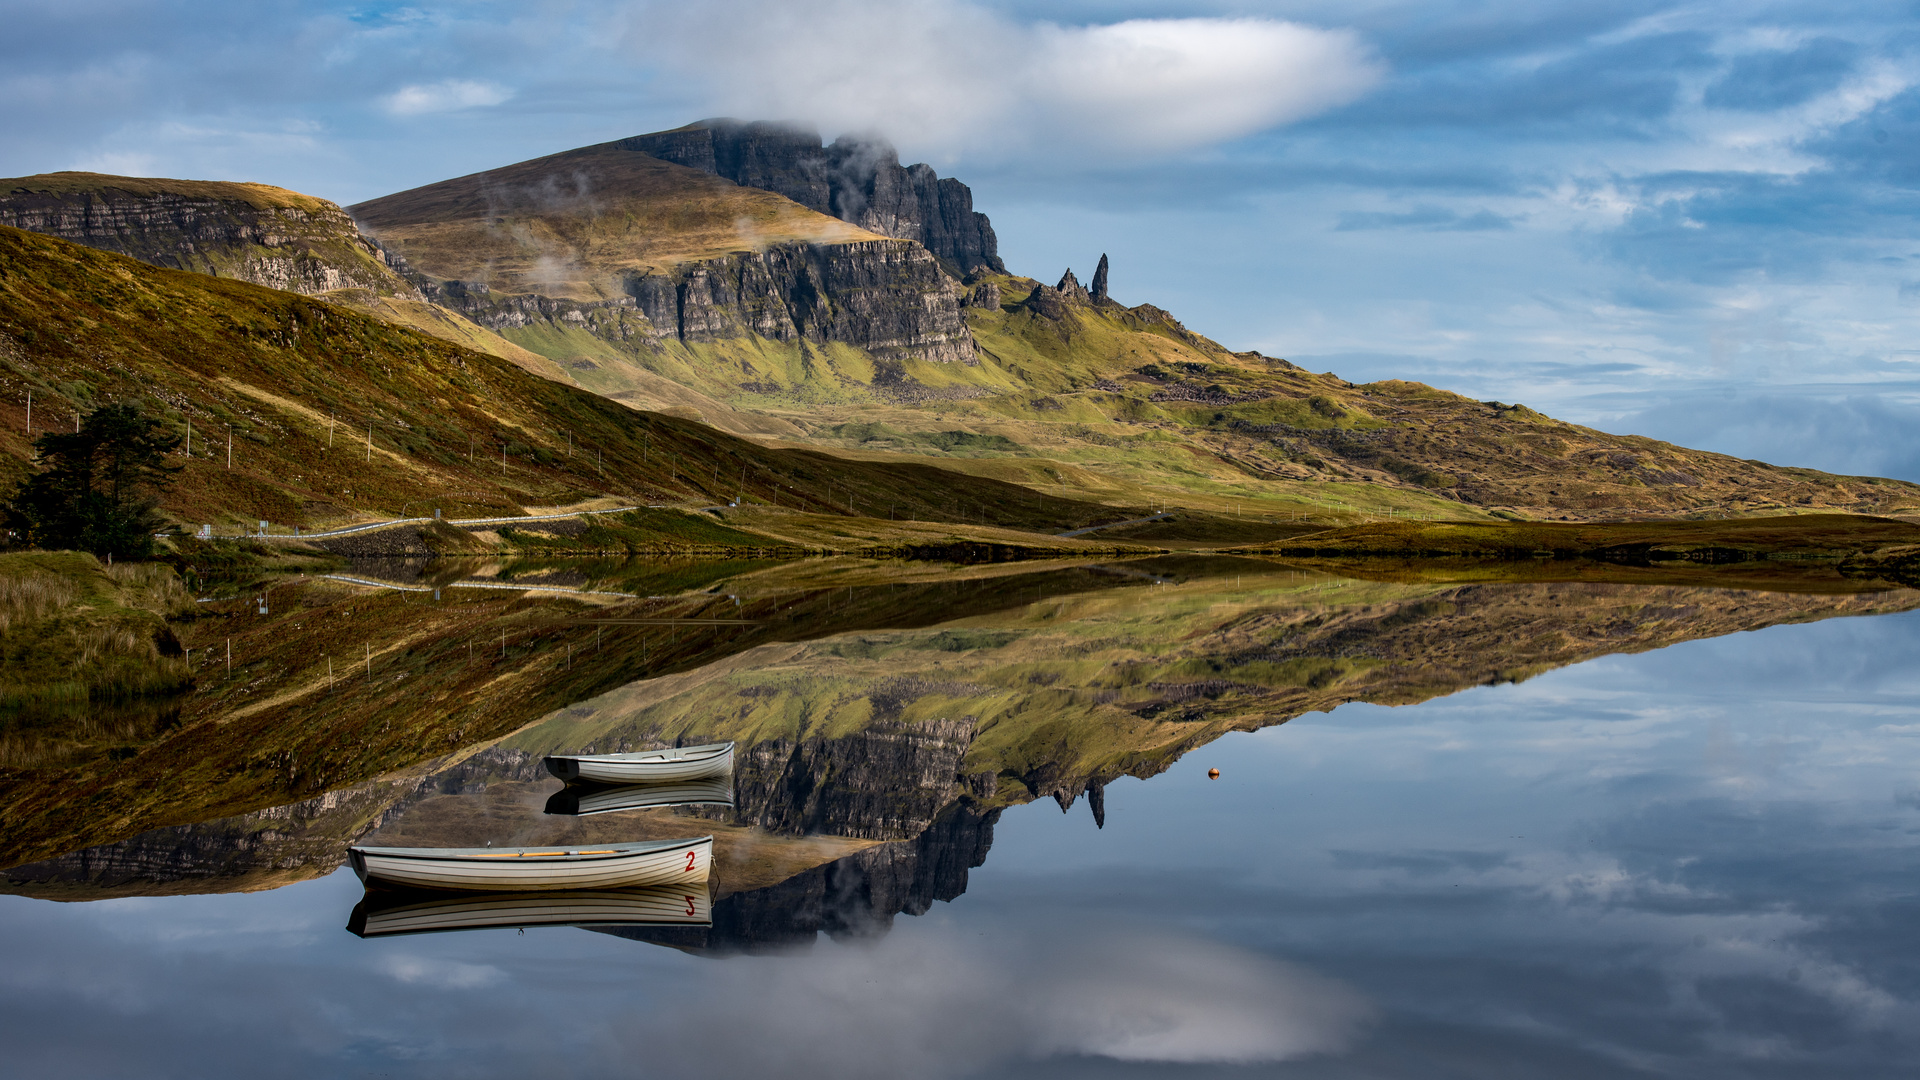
(751, 278)
(855, 179)
(613, 261)
(251, 232)
(632, 271)
(292, 399)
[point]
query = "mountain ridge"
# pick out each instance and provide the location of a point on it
(666, 286)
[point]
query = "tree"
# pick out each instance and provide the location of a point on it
(98, 488)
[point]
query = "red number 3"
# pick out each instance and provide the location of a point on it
(690, 864)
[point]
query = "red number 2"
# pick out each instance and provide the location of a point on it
(689, 905)
(689, 865)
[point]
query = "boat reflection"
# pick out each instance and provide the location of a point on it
(389, 912)
(581, 800)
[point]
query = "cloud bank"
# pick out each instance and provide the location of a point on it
(953, 79)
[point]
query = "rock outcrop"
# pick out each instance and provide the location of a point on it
(856, 180)
(884, 296)
(985, 295)
(854, 897)
(1071, 289)
(265, 235)
(1098, 290)
(888, 782)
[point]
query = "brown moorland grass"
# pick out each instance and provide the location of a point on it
(334, 416)
(570, 224)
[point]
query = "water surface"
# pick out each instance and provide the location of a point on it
(1487, 830)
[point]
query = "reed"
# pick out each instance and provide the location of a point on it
(26, 598)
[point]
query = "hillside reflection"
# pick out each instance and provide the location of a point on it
(885, 716)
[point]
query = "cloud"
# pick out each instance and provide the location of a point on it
(444, 974)
(954, 78)
(444, 96)
(1773, 80)
(925, 1002)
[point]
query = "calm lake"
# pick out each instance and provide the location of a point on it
(1569, 829)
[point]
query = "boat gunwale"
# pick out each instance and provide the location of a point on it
(682, 755)
(534, 856)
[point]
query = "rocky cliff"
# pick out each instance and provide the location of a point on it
(266, 235)
(888, 782)
(638, 252)
(853, 897)
(854, 179)
(887, 297)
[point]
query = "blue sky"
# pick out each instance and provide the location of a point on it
(1693, 221)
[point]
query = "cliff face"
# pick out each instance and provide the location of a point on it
(886, 783)
(252, 232)
(853, 897)
(856, 180)
(887, 297)
(639, 251)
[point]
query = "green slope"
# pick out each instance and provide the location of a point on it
(332, 415)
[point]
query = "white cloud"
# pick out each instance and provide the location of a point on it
(949, 78)
(444, 97)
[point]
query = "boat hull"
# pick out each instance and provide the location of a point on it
(646, 767)
(577, 800)
(608, 866)
(381, 913)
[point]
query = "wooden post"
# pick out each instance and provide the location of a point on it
(369, 440)
(189, 434)
(229, 447)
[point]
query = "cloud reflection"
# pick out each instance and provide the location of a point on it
(932, 1001)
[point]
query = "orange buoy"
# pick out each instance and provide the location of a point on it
(1213, 774)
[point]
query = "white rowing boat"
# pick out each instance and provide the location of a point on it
(382, 912)
(592, 866)
(578, 800)
(646, 766)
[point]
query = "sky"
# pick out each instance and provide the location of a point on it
(1685, 220)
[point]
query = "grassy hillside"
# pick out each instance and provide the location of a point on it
(332, 415)
(74, 631)
(1079, 688)
(1127, 405)
(572, 224)
(1062, 675)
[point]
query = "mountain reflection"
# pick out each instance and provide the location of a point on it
(882, 724)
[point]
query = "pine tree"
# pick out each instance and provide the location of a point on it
(97, 489)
